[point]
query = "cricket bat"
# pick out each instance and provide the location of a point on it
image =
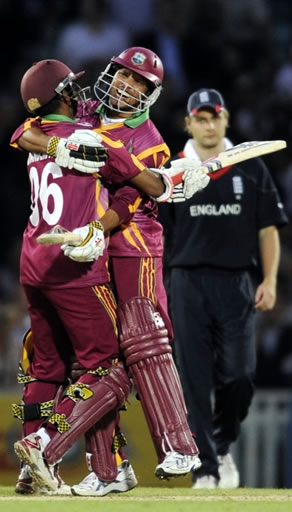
(242, 152)
(236, 154)
(59, 235)
(231, 156)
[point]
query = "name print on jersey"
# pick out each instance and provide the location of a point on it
(212, 210)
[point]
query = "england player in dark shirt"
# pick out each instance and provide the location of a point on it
(214, 243)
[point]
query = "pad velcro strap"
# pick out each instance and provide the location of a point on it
(24, 378)
(60, 421)
(119, 441)
(52, 145)
(79, 391)
(28, 412)
(99, 372)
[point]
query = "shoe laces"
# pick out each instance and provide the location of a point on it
(90, 479)
(175, 457)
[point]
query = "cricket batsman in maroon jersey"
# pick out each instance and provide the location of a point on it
(125, 90)
(136, 251)
(67, 303)
(136, 254)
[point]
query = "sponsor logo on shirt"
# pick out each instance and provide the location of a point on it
(212, 210)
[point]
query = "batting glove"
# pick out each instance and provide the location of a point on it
(188, 178)
(82, 151)
(182, 180)
(168, 183)
(92, 246)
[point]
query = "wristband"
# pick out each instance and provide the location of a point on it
(96, 224)
(52, 145)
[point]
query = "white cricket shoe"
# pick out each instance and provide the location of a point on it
(228, 472)
(91, 485)
(206, 482)
(63, 489)
(24, 484)
(30, 451)
(177, 464)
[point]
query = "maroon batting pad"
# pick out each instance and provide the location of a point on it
(148, 355)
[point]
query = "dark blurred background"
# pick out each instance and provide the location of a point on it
(242, 48)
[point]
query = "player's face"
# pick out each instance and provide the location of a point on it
(207, 127)
(126, 88)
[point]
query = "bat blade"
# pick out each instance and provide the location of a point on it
(59, 235)
(242, 152)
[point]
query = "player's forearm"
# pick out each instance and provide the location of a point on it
(34, 140)
(149, 183)
(269, 244)
(110, 220)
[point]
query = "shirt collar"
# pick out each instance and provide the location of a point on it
(58, 117)
(132, 122)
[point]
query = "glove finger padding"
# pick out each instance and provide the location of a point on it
(86, 166)
(177, 195)
(94, 154)
(179, 166)
(194, 180)
(83, 151)
(92, 246)
(88, 137)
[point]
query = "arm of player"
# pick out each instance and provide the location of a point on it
(155, 183)
(269, 246)
(123, 205)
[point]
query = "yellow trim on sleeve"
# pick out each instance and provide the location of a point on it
(153, 150)
(111, 142)
(138, 164)
(133, 207)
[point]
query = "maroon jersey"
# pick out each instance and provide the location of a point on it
(69, 198)
(142, 236)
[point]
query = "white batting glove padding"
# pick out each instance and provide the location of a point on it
(83, 151)
(188, 178)
(167, 182)
(92, 246)
(194, 181)
(87, 137)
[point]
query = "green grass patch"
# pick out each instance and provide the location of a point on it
(155, 499)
